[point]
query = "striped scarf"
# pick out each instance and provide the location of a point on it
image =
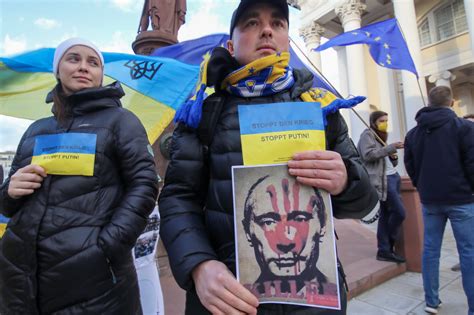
(262, 77)
(265, 76)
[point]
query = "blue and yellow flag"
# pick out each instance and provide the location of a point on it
(154, 87)
(66, 153)
(272, 133)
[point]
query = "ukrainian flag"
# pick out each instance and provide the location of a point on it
(66, 153)
(272, 133)
(154, 87)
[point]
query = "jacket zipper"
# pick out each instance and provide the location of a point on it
(114, 278)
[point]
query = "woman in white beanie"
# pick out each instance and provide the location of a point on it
(81, 187)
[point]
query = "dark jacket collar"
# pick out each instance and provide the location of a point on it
(432, 117)
(92, 99)
(303, 82)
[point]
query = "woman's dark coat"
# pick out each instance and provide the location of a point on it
(67, 247)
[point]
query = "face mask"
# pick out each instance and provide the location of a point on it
(383, 126)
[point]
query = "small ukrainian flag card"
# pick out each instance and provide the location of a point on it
(66, 153)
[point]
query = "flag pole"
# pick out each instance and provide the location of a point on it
(337, 92)
(417, 78)
(421, 92)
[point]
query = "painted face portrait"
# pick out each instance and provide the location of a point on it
(284, 222)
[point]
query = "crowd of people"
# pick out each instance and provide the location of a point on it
(81, 227)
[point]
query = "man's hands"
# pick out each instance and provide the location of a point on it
(220, 292)
(320, 169)
(25, 181)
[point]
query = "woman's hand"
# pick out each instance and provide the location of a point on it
(25, 181)
(398, 145)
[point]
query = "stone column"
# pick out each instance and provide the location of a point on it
(442, 78)
(312, 38)
(469, 7)
(343, 83)
(389, 104)
(405, 14)
(349, 13)
(411, 243)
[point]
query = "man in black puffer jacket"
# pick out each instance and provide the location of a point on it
(196, 208)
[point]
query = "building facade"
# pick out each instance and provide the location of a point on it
(439, 34)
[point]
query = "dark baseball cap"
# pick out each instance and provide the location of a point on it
(281, 5)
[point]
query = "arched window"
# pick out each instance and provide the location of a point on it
(443, 23)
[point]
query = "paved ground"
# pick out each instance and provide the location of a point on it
(400, 295)
(404, 294)
(357, 246)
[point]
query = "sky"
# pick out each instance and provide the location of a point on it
(112, 25)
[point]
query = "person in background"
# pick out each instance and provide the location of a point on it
(67, 247)
(439, 158)
(457, 267)
(380, 160)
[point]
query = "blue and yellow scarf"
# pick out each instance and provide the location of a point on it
(262, 77)
(265, 76)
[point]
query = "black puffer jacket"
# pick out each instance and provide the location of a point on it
(196, 201)
(67, 247)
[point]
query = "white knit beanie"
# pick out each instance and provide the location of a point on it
(68, 43)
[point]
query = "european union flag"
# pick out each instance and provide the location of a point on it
(193, 51)
(386, 44)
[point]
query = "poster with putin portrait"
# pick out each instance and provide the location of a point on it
(284, 239)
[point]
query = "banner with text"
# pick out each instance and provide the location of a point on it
(66, 153)
(272, 133)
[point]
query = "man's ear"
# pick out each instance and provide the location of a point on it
(452, 103)
(230, 46)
